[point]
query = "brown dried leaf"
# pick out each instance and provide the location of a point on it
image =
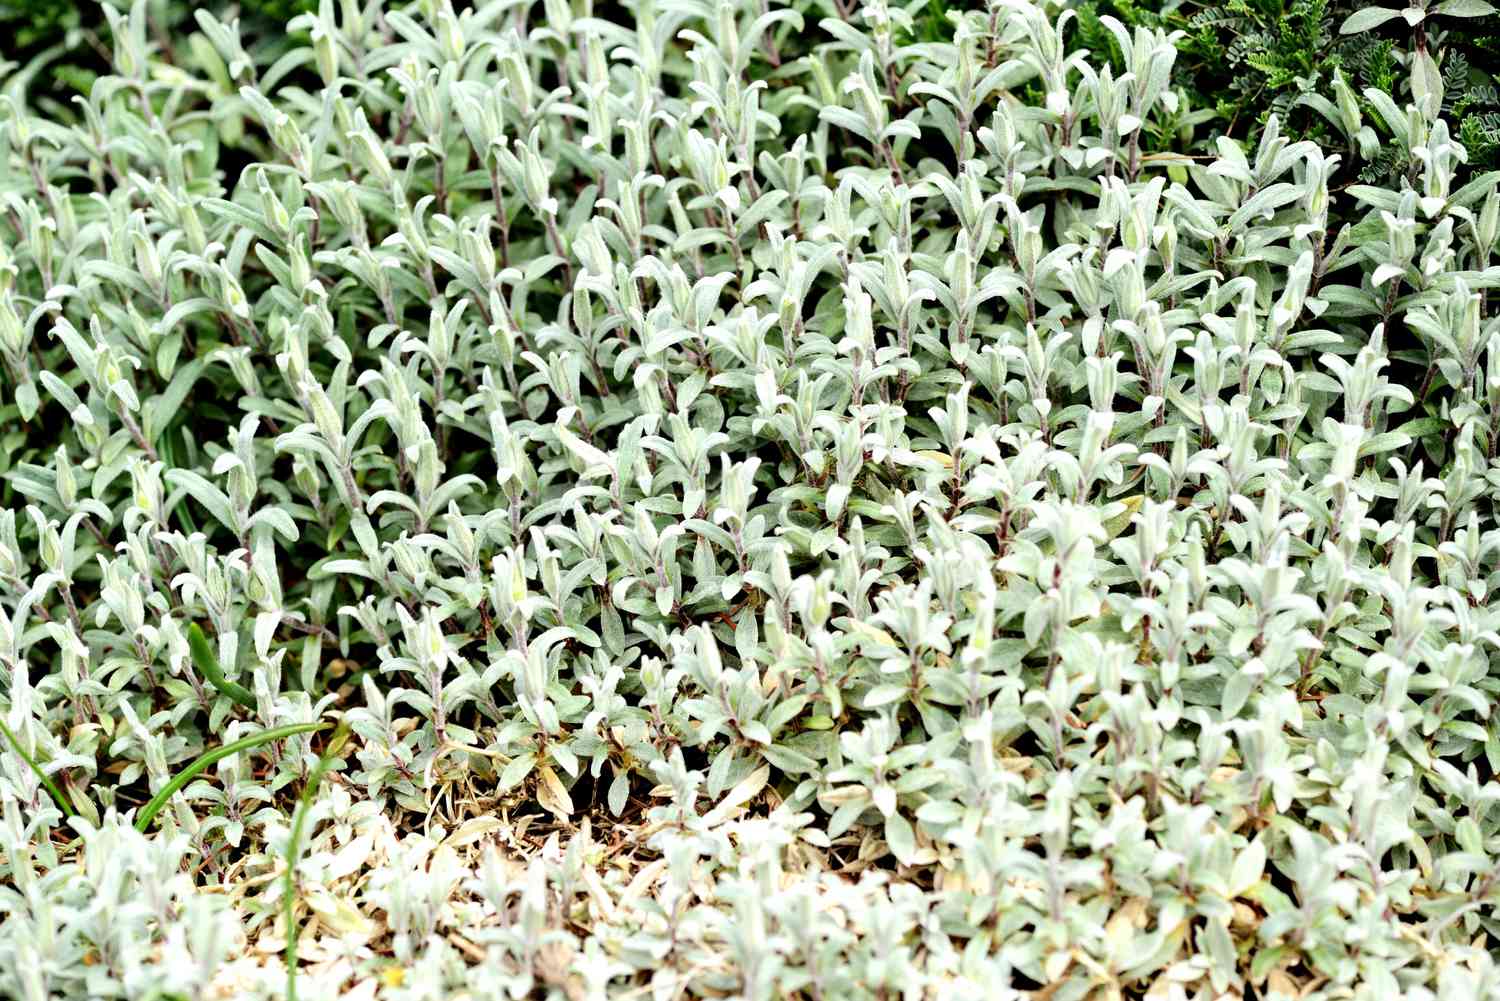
(552, 794)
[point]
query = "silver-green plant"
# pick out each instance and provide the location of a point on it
(796, 500)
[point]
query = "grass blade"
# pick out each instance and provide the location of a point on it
(203, 656)
(51, 787)
(182, 778)
(294, 851)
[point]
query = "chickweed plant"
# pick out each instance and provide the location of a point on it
(739, 499)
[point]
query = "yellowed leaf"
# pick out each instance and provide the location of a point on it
(1120, 930)
(643, 881)
(1055, 965)
(552, 794)
(941, 458)
(744, 791)
(1279, 982)
(340, 914)
(1114, 526)
(473, 830)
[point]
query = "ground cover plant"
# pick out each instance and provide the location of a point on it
(825, 500)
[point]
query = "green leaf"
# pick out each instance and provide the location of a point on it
(516, 770)
(1464, 8)
(1367, 19)
(901, 838)
(1426, 78)
(882, 695)
(27, 400)
(161, 409)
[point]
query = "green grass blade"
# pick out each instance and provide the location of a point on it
(203, 656)
(182, 778)
(294, 852)
(51, 787)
